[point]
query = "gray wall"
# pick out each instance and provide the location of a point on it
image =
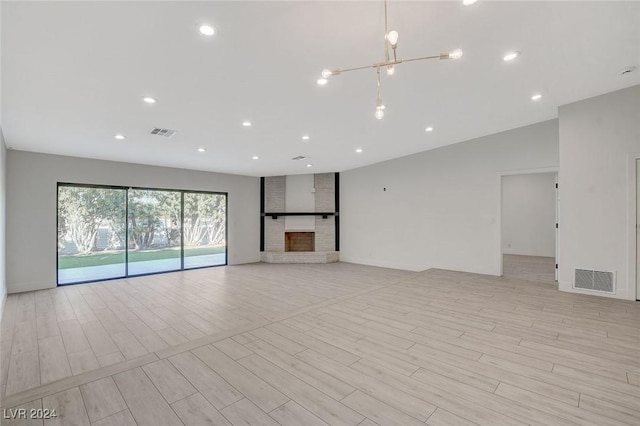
(441, 208)
(31, 207)
(599, 140)
(529, 214)
(3, 216)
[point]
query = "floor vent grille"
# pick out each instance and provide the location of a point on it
(586, 279)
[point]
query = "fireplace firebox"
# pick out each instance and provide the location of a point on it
(299, 241)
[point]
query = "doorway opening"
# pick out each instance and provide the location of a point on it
(529, 226)
(637, 228)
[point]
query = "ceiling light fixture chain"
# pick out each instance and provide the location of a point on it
(390, 40)
(390, 68)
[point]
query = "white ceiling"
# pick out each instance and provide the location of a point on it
(73, 74)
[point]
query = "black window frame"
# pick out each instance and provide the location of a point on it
(126, 251)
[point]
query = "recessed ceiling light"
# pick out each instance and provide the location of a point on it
(359, 150)
(149, 100)
(255, 157)
(206, 29)
(536, 97)
(305, 137)
(202, 149)
(511, 56)
(468, 2)
(119, 136)
(322, 81)
(247, 123)
(309, 165)
(429, 129)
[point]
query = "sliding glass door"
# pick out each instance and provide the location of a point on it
(113, 232)
(91, 233)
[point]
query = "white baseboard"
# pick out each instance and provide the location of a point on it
(383, 264)
(4, 299)
(567, 287)
(28, 286)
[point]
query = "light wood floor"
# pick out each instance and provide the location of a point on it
(334, 344)
(530, 268)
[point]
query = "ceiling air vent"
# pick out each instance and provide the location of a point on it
(165, 133)
(586, 279)
(300, 157)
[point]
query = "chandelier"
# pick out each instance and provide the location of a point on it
(389, 63)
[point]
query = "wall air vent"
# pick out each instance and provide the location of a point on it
(300, 157)
(165, 133)
(586, 279)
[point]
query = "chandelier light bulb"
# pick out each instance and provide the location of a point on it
(326, 73)
(322, 81)
(392, 37)
(468, 2)
(379, 113)
(456, 54)
(391, 70)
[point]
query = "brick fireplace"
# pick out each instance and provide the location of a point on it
(300, 219)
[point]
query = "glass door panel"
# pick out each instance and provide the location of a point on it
(204, 230)
(154, 231)
(91, 233)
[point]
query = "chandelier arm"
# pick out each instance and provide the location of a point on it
(337, 72)
(446, 56)
(390, 62)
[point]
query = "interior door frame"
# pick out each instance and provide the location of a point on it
(632, 224)
(499, 221)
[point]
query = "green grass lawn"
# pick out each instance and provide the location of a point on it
(109, 258)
